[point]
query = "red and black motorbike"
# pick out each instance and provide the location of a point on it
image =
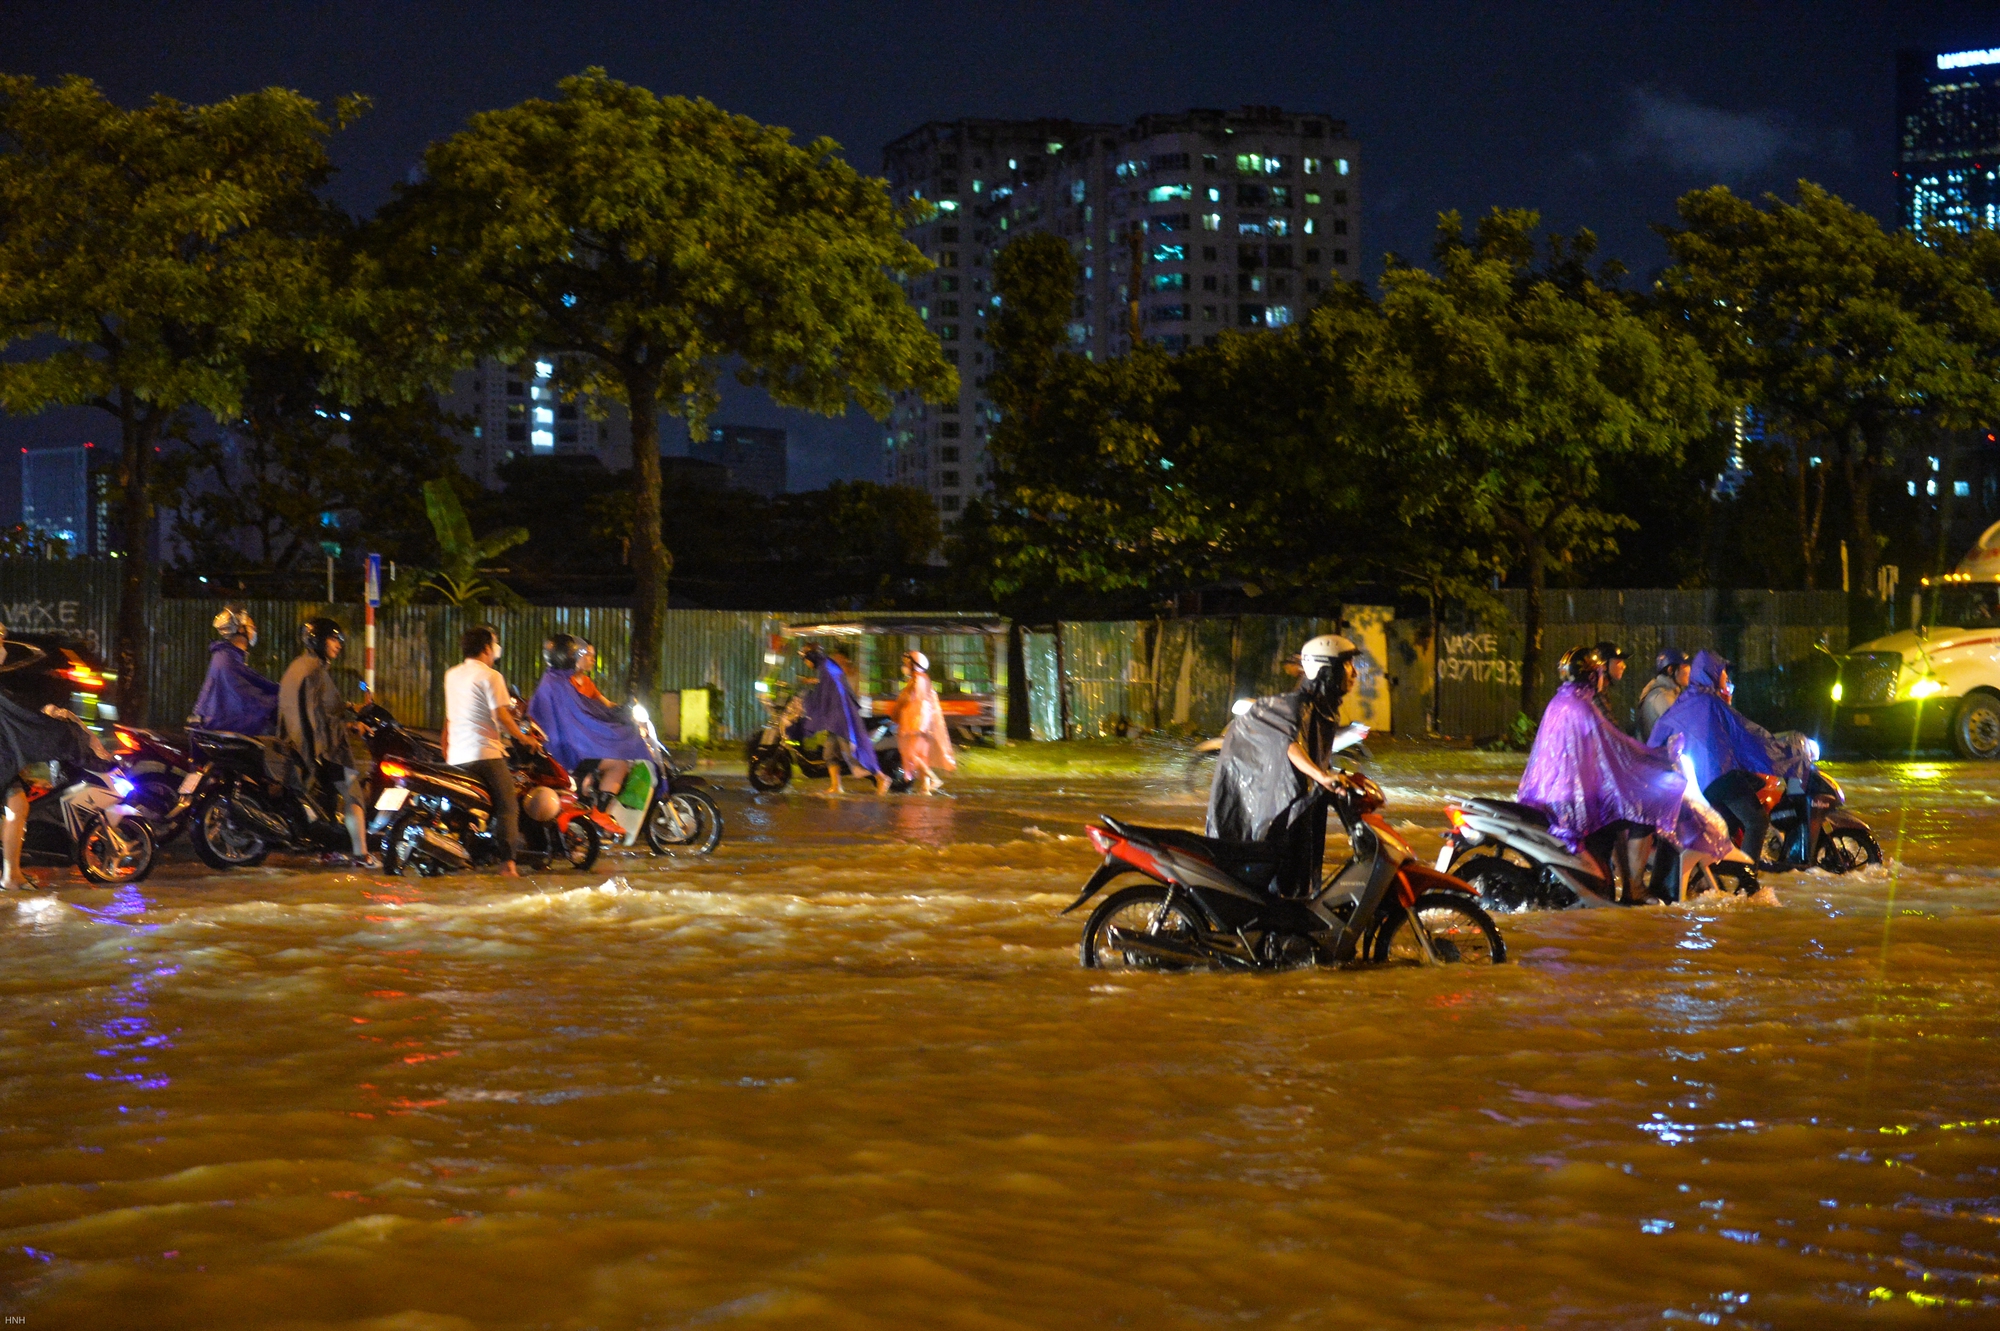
(156, 769)
(1207, 904)
(434, 818)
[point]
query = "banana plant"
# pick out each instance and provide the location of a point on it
(464, 560)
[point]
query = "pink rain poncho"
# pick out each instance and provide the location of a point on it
(920, 728)
(1586, 774)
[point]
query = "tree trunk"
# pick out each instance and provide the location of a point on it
(1806, 528)
(138, 425)
(1531, 623)
(1860, 477)
(649, 551)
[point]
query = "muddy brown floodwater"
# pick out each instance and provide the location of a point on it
(848, 1073)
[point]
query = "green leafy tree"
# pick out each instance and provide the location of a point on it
(1854, 342)
(648, 240)
(144, 255)
(1512, 383)
(463, 573)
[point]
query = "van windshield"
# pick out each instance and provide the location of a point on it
(1967, 605)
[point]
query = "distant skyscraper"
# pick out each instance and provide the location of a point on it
(1948, 138)
(55, 494)
(1241, 218)
(754, 455)
(515, 411)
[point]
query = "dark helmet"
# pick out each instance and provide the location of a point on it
(559, 651)
(1610, 651)
(1583, 665)
(318, 631)
(1670, 659)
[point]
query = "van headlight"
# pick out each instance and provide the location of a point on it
(1836, 690)
(1924, 688)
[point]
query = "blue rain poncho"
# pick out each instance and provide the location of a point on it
(829, 706)
(1713, 734)
(234, 697)
(578, 727)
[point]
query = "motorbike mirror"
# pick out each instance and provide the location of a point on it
(1348, 736)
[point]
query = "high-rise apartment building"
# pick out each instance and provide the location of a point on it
(514, 410)
(1208, 219)
(1948, 138)
(55, 494)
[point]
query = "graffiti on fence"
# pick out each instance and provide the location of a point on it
(1475, 657)
(35, 616)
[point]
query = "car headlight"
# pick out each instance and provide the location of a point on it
(1924, 688)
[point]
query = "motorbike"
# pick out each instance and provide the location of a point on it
(155, 767)
(1209, 904)
(84, 818)
(669, 809)
(1810, 826)
(773, 751)
(245, 801)
(1512, 859)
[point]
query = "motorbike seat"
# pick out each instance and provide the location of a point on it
(1527, 813)
(1255, 863)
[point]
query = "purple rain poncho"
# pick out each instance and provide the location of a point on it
(829, 706)
(578, 727)
(234, 697)
(1585, 773)
(1714, 735)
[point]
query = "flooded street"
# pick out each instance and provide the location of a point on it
(847, 1073)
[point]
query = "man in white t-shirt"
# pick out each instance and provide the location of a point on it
(478, 720)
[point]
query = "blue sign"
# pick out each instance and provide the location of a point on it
(371, 582)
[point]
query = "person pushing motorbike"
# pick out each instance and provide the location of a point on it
(478, 721)
(234, 697)
(312, 726)
(1275, 752)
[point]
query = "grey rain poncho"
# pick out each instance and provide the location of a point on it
(1259, 796)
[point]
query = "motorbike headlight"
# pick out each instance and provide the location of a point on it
(1812, 748)
(1241, 705)
(640, 714)
(122, 786)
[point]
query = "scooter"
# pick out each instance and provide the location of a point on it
(1810, 826)
(1507, 852)
(773, 751)
(155, 767)
(440, 818)
(669, 809)
(245, 801)
(1211, 904)
(84, 818)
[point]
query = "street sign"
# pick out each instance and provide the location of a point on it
(372, 581)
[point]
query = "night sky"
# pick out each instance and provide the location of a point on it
(1597, 114)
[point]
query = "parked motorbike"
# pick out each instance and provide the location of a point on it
(245, 802)
(672, 811)
(1507, 852)
(1211, 904)
(155, 767)
(84, 818)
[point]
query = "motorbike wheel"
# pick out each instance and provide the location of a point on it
(1136, 911)
(221, 841)
(580, 843)
(123, 854)
(1459, 930)
(1503, 885)
(1846, 849)
(399, 845)
(770, 767)
(685, 820)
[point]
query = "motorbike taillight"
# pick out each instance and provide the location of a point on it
(1100, 839)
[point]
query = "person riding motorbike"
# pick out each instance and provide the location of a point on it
(234, 697)
(51, 735)
(312, 726)
(1274, 753)
(582, 726)
(1670, 676)
(1730, 754)
(922, 741)
(829, 706)
(1603, 790)
(1613, 657)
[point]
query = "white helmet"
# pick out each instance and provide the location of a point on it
(1322, 652)
(234, 620)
